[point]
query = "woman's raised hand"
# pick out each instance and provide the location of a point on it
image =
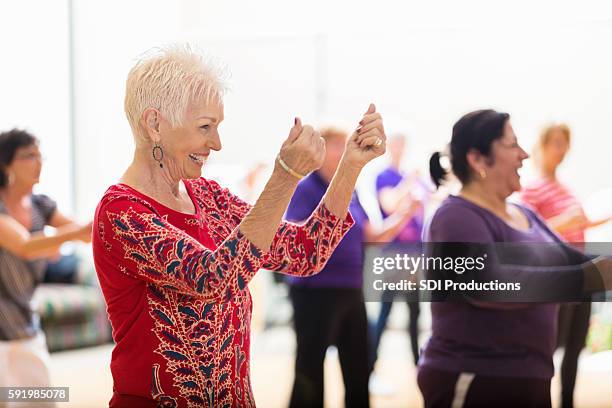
(304, 149)
(368, 141)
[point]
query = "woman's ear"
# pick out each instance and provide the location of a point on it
(476, 161)
(150, 122)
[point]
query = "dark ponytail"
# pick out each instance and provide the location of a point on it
(436, 171)
(474, 131)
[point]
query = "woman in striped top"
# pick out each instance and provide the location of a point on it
(563, 212)
(23, 252)
(551, 199)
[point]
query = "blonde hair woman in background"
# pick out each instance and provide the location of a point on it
(563, 212)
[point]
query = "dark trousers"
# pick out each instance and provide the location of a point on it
(322, 317)
(573, 326)
(443, 389)
(383, 316)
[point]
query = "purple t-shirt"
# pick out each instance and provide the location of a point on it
(390, 177)
(494, 341)
(344, 269)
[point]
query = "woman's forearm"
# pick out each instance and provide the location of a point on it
(38, 245)
(597, 223)
(261, 223)
(340, 190)
(391, 226)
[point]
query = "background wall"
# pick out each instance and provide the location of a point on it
(423, 64)
(34, 84)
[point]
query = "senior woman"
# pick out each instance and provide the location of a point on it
(175, 252)
(24, 250)
(483, 352)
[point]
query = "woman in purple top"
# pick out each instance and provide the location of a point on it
(329, 308)
(395, 188)
(484, 353)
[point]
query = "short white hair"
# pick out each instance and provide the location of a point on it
(169, 79)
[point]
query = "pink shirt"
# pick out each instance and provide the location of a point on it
(549, 198)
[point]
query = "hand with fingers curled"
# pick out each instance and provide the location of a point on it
(303, 151)
(368, 141)
(409, 206)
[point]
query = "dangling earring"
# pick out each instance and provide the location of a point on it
(158, 155)
(10, 178)
(483, 174)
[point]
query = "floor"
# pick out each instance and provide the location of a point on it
(87, 374)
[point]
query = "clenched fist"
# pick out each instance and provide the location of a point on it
(304, 149)
(368, 141)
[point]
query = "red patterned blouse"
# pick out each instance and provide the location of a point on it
(177, 295)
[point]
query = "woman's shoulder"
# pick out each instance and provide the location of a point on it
(455, 206)
(120, 196)
(533, 217)
(210, 194)
(206, 189)
(457, 212)
(45, 205)
(205, 185)
(42, 200)
(459, 219)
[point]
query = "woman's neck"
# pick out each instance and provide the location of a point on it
(549, 172)
(15, 194)
(395, 165)
(146, 176)
(481, 195)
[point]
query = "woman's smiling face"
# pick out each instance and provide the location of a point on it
(186, 147)
(508, 158)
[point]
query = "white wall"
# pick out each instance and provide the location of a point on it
(34, 85)
(109, 36)
(423, 63)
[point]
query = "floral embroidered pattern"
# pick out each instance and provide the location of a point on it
(197, 298)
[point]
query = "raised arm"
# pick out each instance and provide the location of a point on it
(394, 223)
(131, 236)
(303, 249)
(365, 144)
(305, 150)
(392, 197)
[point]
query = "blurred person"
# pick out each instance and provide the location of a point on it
(485, 353)
(329, 308)
(394, 188)
(549, 197)
(249, 184)
(175, 252)
(563, 213)
(24, 254)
